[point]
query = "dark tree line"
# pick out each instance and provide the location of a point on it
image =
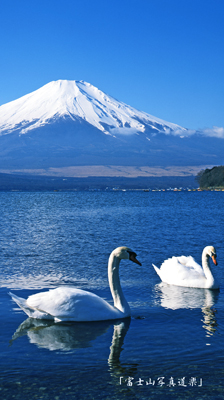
(213, 177)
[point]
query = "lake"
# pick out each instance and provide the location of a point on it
(171, 347)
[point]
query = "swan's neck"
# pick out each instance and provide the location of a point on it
(206, 267)
(115, 286)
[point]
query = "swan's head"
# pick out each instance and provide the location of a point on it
(211, 252)
(126, 254)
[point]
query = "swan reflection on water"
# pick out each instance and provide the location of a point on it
(71, 336)
(210, 323)
(176, 297)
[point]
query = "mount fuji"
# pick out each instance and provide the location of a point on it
(72, 123)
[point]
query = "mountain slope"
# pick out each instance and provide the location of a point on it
(69, 123)
(77, 100)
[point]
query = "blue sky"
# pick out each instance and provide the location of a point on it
(164, 57)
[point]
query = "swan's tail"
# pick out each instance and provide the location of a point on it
(157, 270)
(30, 311)
(20, 302)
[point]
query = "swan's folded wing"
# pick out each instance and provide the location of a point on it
(176, 270)
(191, 263)
(73, 304)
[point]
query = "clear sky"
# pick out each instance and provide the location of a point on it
(164, 57)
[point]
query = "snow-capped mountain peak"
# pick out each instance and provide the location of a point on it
(72, 123)
(77, 99)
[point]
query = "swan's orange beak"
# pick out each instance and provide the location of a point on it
(214, 259)
(134, 259)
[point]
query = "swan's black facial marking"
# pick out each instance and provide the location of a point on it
(132, 257)
(132, 253)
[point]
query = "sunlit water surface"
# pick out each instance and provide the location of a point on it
(172, 347)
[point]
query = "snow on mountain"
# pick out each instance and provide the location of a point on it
(72, 123)
(78, 99)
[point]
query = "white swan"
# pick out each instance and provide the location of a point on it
(71, 304)
(184, 271)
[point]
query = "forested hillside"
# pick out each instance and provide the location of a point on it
(210, 178)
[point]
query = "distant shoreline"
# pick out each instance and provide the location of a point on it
(99, 177)
(20, 182)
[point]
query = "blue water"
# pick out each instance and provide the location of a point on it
(172, 347)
